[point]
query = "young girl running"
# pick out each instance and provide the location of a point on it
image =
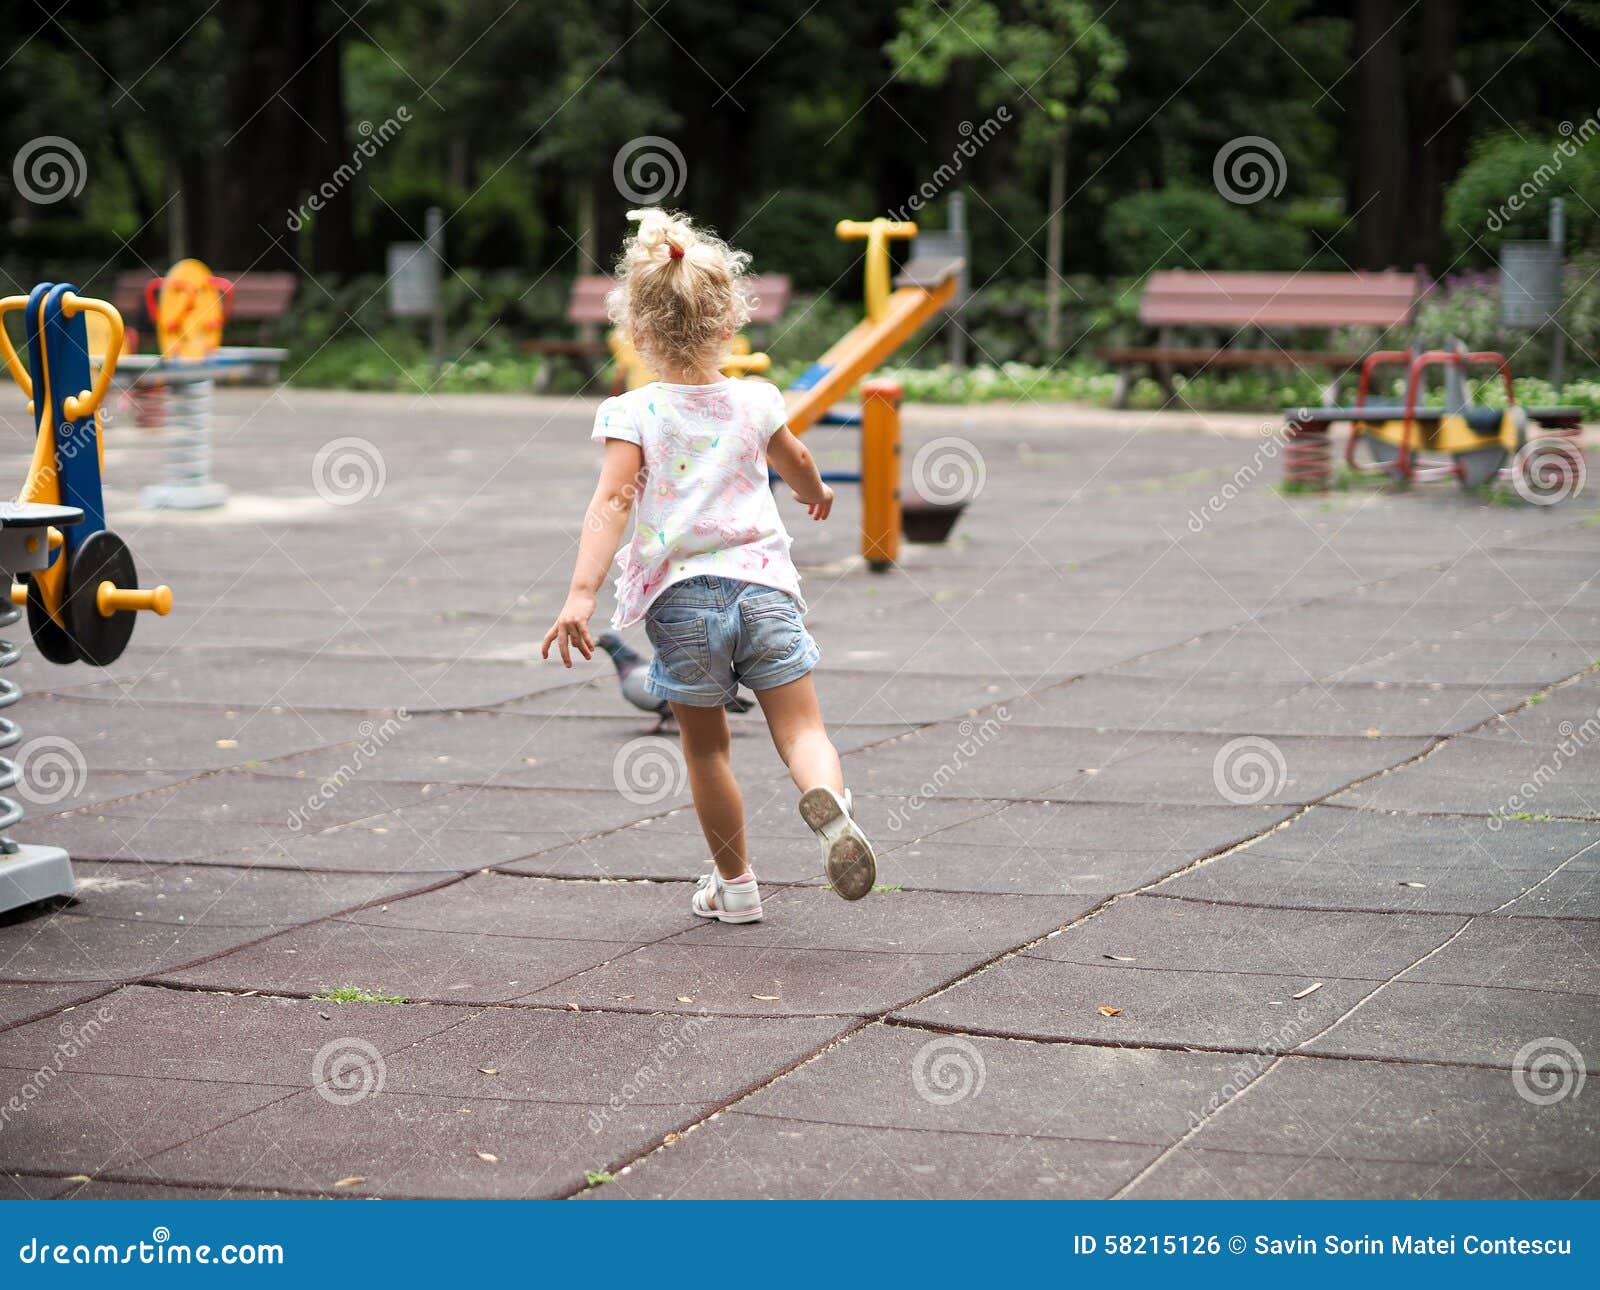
(708, 568)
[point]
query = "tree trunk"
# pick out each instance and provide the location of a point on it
(333, 238)
(1054, 236)
(1381, 163)
(1437, 129)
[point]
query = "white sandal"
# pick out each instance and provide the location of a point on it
(735, 903)
(846, 854)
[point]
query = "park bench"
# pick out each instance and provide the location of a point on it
(1268, 302)
(586, 310)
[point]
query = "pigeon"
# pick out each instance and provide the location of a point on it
(632, 668)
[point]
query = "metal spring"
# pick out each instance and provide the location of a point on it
(1307, 453)
(10, 732)
(189, 435)
(149, 406)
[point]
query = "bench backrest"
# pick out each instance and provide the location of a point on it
(1179, 297)
(257, 297)
(587, 304)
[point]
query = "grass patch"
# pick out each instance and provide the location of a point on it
(355, 994)
(597, 1177)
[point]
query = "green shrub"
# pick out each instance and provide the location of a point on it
(1504, 192)
(1189, 228)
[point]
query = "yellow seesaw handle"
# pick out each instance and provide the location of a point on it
(87, 402)
(110, 598)
(19, 373)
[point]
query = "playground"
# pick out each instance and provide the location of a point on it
(1218, 859)
(1207, 602)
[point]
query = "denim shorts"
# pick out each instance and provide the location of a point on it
(712, 635)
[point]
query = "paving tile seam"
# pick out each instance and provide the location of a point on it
(1157, 968)
(1454, 815)
(59, 1009)
(995, 1134)
(1352, 909)
(139, 1180)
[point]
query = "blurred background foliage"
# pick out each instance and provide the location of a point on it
(1406, 130)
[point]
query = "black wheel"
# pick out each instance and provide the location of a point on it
(49, 637)
(101, 557)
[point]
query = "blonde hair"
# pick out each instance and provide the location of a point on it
(680, 291)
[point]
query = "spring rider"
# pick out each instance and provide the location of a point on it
(75, 576)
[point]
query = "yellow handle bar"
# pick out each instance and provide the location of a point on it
(19, 373)
(853, 230)
(87, 402)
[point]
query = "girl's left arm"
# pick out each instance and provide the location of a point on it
(603, 526)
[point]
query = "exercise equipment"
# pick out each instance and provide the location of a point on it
(75, 577)
(923, 288)
(173, 388)
(1457, 439)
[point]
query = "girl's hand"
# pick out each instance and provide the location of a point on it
(818, 510)
(572, 628)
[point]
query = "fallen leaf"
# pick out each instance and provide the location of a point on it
(683, 998)
(354, 1180)
(227, 743)
(670, 1139)
(488, 1070)
(1413, 884)
(76, 1178)
(1373, 732)
(1110, 1012)
(324, 1016)
(489, 1157)
(765, 998)
(1310, 989)
(575, 1007)
(624, 996)
(1119, 958)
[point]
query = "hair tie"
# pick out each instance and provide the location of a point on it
(675, 251)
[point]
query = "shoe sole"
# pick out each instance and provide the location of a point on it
(850, 863)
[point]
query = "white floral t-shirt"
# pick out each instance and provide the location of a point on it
(705, 506)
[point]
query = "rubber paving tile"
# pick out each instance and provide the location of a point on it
(43, 943)
(440, 967)
(283, 804)
(1203, 770)
(268, 678)
(1572, 893)
(1196, 1174)
(1030, 998)
(1310, 1108)
(1418, 1021)
(21, 1003)
(1517, 952)
(1340, 859)
(1492, 775)
(89, 1124)
(739, 1156)
(167, 738)
(1185, 833)
(404, 1144)
(179, 1035)
(502, 1054)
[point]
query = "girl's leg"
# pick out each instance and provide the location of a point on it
(795, 720)
(717, 799)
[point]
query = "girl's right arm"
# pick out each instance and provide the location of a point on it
(797, 468)
(603, 526)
